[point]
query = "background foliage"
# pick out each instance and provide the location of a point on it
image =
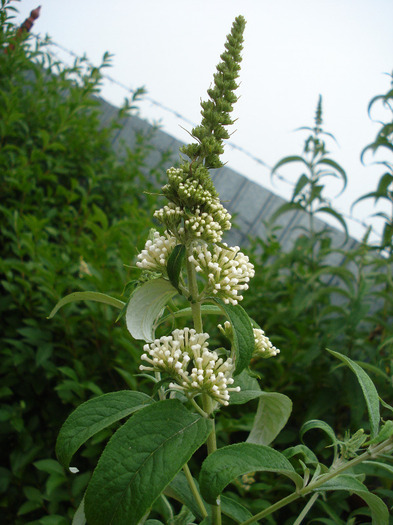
(71, 214)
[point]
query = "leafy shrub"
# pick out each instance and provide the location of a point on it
(138, 478)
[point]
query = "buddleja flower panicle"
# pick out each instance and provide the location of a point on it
(226, 270)
(263, 346)
(175, 354)
(194, 212)
(156, 252)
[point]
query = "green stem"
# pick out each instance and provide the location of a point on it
(195, 491)
(193, 289)
(272, 508)
(211, 443)
(198, 408)
(161, 393)
(306, 509)
(207, 402)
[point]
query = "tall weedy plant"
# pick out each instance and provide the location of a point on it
(187, 274)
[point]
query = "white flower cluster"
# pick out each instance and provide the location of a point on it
(227, 270)
(194, 210)
(263, 346)
(176, 353)
(201, 225)
(156, 252)
(189, 190)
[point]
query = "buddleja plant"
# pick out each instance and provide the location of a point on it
(145, 464)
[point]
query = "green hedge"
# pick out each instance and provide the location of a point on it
(71, 216)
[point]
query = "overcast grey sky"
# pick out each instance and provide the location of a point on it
(294, 50)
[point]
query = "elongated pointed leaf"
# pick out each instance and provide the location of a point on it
(175, 262)
(321, 425)
(227, 463)
(333, 164)
(289, 160)
(93, 416)
(336, 215)
(307, 454)
(377, 468)
(385, 433)
(140, 460)
(369, 391)
(379, 511)
(243, 335)
(385, 181)
(303, 180)
(145, 306)
(86, 296)
(272, 415)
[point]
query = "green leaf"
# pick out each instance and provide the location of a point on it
(373, 468)
(145, 307)
(249, 389)
(336, 215)
(385, 181)
(369, 391)
(86, 296)
(184, 517)
(307, 454)
(234, 510)
(385, 433)
(379, 511)
(385, 405)
(333, 164)
(321, 425)
(289, 160)
(140, 460)
(375, 369)
(272, 415)
(50, 466)
(227, 463)
(303, 180)
(79, 516)
(243, 335)
(93, 416)
(175, 262)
